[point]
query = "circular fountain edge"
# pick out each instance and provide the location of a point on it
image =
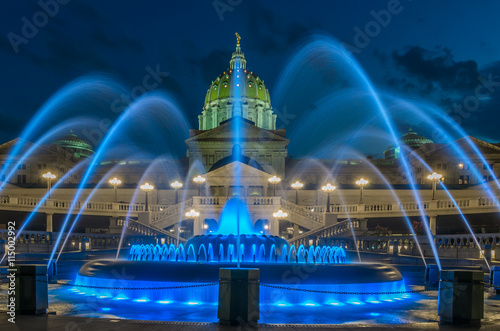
(272, 273)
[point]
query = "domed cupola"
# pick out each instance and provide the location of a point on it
(237, 92)
(78, 147)
(411, 139)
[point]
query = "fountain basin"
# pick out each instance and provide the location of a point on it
(143, 276)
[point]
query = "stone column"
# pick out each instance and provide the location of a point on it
(48, 227)
(144, 217)
(433, 224)
(113, 226)
(197, 226)
(275, 227)
(295, 230)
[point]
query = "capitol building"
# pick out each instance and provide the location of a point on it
(257, 154)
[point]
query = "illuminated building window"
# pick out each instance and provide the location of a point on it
(463, 180)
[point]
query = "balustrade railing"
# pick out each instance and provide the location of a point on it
(302, 210)
(306, 211)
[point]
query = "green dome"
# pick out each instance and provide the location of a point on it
(223, 88)
(237, 92)
(410, 139)
(78, 147)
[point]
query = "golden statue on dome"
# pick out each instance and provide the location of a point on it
(238, 38)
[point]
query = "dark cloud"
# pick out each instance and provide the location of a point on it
(213, 64)
(431, 74)
(270, 33)
(437, 67)
(452, 85)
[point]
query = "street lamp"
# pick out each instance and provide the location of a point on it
(434, 178)
(280, 215)
(274, 180)
(297, 186)
(192, 214)
(147, 188)
(361, 183)
(49, 177)
(115, 182)
(176, 185)
(328, 188)
(199, 180)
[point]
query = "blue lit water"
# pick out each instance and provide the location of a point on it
(309, 312)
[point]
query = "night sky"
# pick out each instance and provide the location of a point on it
(433, 50)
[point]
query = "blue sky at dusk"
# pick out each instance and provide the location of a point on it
(434, 50)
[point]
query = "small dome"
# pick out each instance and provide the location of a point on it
(410, 139)
(79, 147)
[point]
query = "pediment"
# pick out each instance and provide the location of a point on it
(245, 173)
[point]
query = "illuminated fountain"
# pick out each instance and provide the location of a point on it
(198, 261)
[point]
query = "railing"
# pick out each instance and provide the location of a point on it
(329, 231)
(407, 206)
(172, 210)
(343, 209)
(151, 230)
(301, 210)
(221, 201)
(59, 204)
(313, 212)
(378, 207)
(42, 241)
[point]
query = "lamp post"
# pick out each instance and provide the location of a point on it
(328, 188)
(434, 178)
(297, 186)
(49, 177)
(176, 185)
(280, 215)
(147, 188)
(274, 180)
(199, 180)
(361, 183)
(115, 182)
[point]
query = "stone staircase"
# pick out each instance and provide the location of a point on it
(171, 215)
(303, 216)
(151, 230)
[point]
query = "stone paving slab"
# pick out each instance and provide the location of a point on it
(72, 323)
